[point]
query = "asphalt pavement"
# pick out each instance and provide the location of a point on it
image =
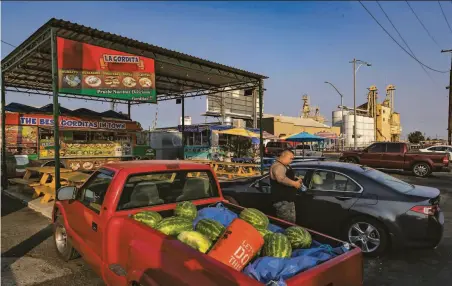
(28, 254)
(29, 257)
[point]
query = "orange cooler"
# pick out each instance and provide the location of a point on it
(239, 243)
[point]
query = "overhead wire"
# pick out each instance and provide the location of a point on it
(444, 15)
(398, 44)
(6, 43)
(422, 24)
(400, 35)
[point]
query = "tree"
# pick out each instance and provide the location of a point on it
(416, 137)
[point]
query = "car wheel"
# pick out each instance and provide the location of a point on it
(232, 200)
(421, 169)
(63, 245)
(351, 160)
(367, 234)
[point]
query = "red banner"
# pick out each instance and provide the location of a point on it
(86, 69)
(68, 122)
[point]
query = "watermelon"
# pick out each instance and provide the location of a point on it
(255, 217)
(186, 209)
(298, 237)
(195, 240)
(277, 245)
(212, 229)
(148, 217)
(174, 225)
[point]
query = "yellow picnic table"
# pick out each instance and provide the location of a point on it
(42, 187)
(74, 178)
(26, 180)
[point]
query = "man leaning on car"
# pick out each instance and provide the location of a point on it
(284, 186)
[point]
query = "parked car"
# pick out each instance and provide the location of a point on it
(94, 221)
(389, 155)
(306, 150)
(273, 149)
(439, 149)
(356, 203)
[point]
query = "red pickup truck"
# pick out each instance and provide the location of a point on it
(94, 221)
(397, 155)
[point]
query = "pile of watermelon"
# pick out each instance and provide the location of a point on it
(207, 231)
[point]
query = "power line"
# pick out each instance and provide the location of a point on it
(395, 41)
(422, 24)
(400, 35)
(8, 44)
(444, 15)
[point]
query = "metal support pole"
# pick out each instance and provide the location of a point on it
(449, 118)
(56, 107)
(128, 110)
(183, 127)
(261, 133)
(4, 178)
(355, 142)
(254, 109)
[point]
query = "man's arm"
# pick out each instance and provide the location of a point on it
(278, 172)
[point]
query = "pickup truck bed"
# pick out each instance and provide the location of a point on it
(126, 252)
(171, 259)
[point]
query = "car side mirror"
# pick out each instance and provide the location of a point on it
(66, 193)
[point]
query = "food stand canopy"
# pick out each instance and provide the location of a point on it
(32, 68)
(304, 137)
(28, 68)
(239, 132)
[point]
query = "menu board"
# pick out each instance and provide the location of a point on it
(90, 70)
(21, 135)
(80, 150)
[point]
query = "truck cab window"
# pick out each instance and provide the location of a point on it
(393, 148)
(152, 189)
(376, 148)
(93, 192)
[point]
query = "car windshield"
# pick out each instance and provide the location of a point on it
(142, 190)
(389, 181)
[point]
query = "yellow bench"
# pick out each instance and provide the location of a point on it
(25, 182)
(48, 192)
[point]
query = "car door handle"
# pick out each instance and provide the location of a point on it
(94, 226)
(343, 198)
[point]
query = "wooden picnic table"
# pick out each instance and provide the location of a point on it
(26, 180)
(74, 178)
(42, 187)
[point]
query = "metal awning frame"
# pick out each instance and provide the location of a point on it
(31, 68)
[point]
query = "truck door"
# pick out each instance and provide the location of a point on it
(325, 205)
(394, 156)
(84, 217)
(372, 155)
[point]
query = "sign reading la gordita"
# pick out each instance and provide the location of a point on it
(85, 69)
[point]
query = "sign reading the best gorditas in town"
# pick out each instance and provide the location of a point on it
(85, 69)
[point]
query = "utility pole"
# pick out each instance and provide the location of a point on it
(449, 118)
(355, 70)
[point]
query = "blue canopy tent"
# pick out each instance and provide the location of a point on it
(304, 137)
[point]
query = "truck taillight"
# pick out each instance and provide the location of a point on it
(266, 150)
(427, 210)
(446, 160)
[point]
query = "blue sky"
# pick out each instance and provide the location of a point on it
(298, 45)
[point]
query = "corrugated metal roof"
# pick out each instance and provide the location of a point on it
(29, 65)
(83, 112)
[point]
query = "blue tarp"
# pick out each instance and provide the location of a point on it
(274, 271)
(304, 137)
(218, 213)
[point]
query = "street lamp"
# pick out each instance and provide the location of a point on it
(355, 70)
(342, 108)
